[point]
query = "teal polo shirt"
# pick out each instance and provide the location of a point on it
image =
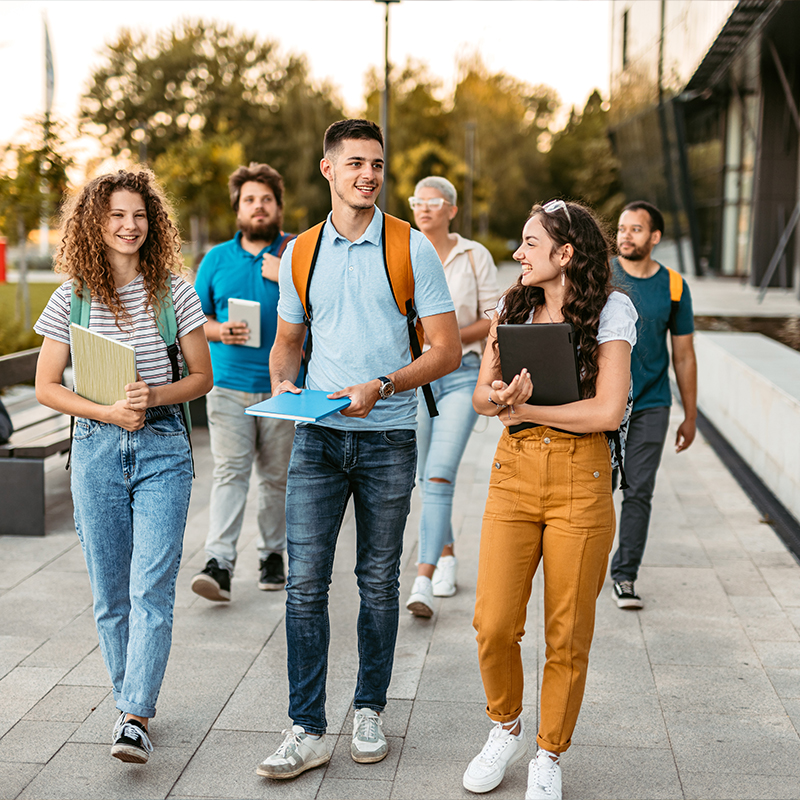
(228, 270)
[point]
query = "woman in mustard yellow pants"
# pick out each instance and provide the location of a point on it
(550, 491)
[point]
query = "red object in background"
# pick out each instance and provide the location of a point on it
(2, 260)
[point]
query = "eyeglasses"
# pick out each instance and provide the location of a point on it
(434, 203)
(555, 205)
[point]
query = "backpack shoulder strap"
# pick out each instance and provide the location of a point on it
(675, 285)
(399, 270)
(675, 294)
(287, 237)
(397, 260)
(165, 318)
(304, 259)
(80, 306)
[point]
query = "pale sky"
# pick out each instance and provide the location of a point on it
(561, 43)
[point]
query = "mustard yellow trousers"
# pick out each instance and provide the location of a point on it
(549, 500)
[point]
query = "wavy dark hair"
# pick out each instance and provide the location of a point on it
(82, 252)
(589, 274)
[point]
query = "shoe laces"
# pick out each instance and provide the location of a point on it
(134, 732)
(546, 769)
(497, 742)
(626, 587)
(367, 726)
(290, 742)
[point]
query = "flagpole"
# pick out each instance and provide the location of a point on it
(49, 90)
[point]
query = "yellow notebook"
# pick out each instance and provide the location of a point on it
(101, 366)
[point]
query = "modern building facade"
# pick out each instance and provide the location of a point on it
(704, 109)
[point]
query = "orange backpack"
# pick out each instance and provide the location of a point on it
(396, 238)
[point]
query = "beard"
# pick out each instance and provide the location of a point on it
(635, 253)
(260, 231)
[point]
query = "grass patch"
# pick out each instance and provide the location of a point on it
(13, 336)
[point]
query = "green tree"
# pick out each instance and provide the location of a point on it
(509, 118)
(195, 172)
(582, 165)
(33, 181)
(206, 79)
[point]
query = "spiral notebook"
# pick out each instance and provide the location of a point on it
(548, 351)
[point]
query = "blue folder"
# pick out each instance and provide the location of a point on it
(308, 406)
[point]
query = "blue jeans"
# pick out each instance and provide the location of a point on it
(442, 441)
(238, 442)
(131, 495)
(327, 467)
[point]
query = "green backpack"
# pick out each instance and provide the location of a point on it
(80, 312)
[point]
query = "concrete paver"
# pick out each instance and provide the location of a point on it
(696, 696)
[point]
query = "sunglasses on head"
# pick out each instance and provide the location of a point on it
(554, 205)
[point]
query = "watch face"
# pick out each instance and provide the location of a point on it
(387, 390)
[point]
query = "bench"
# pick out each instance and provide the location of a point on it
(39, 432)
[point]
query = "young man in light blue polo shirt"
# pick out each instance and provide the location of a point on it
(245, 268)
(367, 451)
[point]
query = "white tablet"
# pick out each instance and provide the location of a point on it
(249, 312)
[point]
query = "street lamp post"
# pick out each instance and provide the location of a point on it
(382, 200)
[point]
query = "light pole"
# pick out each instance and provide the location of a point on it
(382, 200)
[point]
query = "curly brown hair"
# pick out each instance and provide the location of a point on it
(589, 273)
(82, 253)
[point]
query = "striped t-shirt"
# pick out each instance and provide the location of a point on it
(139, 329)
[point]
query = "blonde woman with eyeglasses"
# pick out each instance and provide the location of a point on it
(472, 280)
(549, 493)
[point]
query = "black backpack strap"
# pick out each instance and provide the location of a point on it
(416, 351)
(307, 312)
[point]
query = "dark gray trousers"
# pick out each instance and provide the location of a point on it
(645, 443)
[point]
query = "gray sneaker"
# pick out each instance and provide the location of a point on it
(369, 744)
(297, 753)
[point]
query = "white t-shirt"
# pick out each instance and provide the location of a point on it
(617, 319)
(139, 329)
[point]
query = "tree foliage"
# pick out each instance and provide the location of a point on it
(582, 163)
(33, 179)
(200, 80)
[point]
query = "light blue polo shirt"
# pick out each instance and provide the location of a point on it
(358, 332)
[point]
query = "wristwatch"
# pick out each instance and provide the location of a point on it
(387, 388)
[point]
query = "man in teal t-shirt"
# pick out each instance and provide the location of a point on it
(647, 283)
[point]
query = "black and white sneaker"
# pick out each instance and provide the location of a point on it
(133, 744)
(626, 596)
(213, 583)
(271, 575)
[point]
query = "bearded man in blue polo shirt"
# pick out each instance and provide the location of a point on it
(367, 451)
(245, 268)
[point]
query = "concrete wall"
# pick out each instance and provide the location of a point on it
(749, 387)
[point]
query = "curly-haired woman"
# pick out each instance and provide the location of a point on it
(550, 492)
(131, 462)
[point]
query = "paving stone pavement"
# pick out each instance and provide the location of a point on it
(696, 696)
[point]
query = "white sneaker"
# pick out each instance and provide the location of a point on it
(420, 602)
(369, 744)
(444, 577)
(544, 777)
(502, 749)
(297, 753)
